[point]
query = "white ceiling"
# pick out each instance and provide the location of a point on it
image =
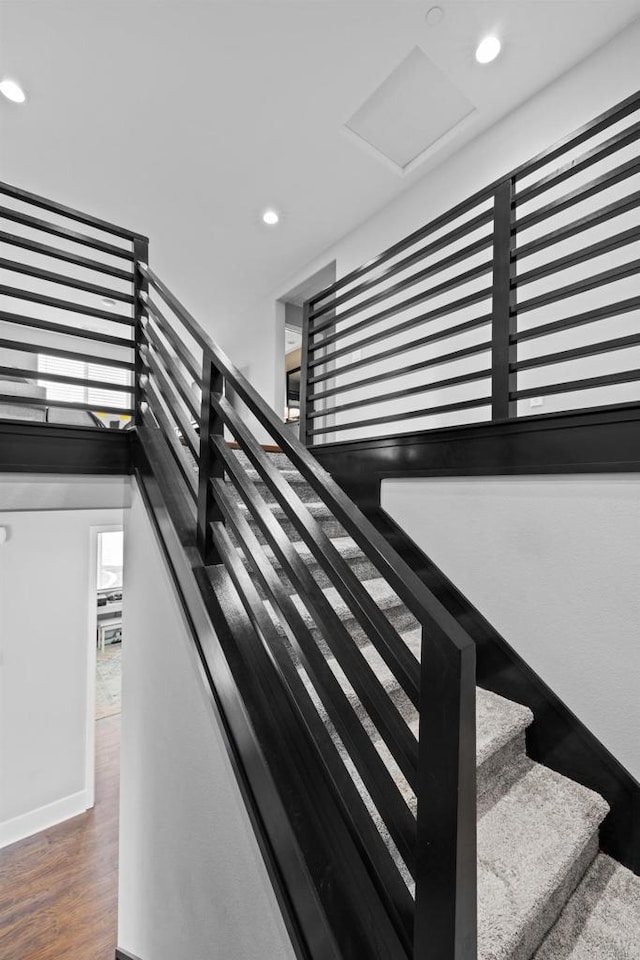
(186, 119)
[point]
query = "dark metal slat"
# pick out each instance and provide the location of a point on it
(407, 415)
(396, 352)
(616, 209)
(566, 323)
(69, 354)
(588, 383)
(190, 325)
(581, 286)
(70, 305)
(30, 271)
(339, 710)
(173, 338)
(37, 324)
(400, 394)
(153, 340)
(170, 397)
(578, 353)
(449, 308)
(188, 471)
(473, 274)
(449, 261)
(382, 711)
(598, 249)
(586, 132)
(42, 248)
(444, 630)
(585, 192)
(600, 152)
(82, 238)
(382, 635)
(63, 378)
(443, 358)
(64, 404)
(36, 200)
(458, 211)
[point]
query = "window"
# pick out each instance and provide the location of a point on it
(76, 393)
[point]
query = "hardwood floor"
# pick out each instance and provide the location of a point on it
(58, 889)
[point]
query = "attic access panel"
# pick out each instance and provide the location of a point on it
(414, 108)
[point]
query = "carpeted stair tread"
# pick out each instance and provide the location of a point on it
(346, 547)
(318, 510)
(533, 846)
(601, 921)
(498, 721)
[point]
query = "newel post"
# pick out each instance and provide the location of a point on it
(503, 352)
(446, 884)
(210, 465)
(140, 291)
(306, 405)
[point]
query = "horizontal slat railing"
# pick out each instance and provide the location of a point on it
(317, 657)
(545, 268)
(67, 334)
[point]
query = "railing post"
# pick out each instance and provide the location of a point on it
(503, 352)
(446, 883)
(306, 405)
(210, 466)
(140, 289)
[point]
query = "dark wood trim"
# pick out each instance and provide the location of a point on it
(27, 447)
(601, 440)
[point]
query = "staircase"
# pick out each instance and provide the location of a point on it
(544, 890)
(393, 800)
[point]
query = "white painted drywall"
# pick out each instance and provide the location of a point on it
(45, 659)
(33, 491)
(554, 565)
(192, 881)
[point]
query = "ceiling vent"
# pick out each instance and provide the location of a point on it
(413, 112)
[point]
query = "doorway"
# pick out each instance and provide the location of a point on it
(289, 334)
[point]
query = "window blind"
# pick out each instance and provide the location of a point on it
(75, 393)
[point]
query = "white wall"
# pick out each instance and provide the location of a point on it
(554, 565)
(47, 653)
(192, 881)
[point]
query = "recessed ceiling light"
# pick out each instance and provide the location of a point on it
(488, 49)
(12, 91)
(270, 217)
(108, 301)
(434, 16)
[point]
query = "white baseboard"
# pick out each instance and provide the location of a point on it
(41, 819)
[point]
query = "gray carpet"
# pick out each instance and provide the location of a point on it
(544, 892)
